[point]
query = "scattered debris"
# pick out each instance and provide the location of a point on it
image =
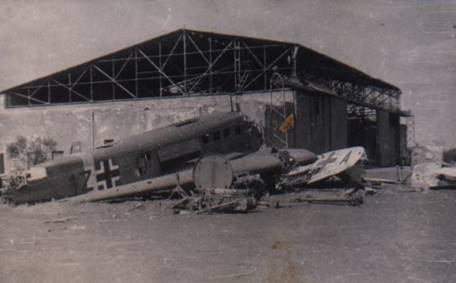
(219, 189)
(216, 202)
(231, 276)
(77, 227)
(378, 181)
(351, 197)
(447, 173)
(327, 165)
(61, 220)
(433, 176)
(138, 206)
(389, 175)
(370, 191)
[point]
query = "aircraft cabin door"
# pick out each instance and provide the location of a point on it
(79, 182)
(147, 165)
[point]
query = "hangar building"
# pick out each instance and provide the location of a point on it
(185, 73)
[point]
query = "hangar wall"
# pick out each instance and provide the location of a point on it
(69, 124)
(388, 138)
(321, 123)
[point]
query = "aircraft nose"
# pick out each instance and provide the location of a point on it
(302, 156)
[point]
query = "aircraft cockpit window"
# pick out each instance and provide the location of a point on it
(237, 130)
(226, 132)
(206, 138)
(216, 136)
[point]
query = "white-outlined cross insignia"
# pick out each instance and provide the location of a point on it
(107, 174)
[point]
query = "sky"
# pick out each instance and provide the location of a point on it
(409, 43)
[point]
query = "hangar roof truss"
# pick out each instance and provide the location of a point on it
(191, 63)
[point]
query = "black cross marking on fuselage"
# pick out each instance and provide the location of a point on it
(347, 156)
(327, 160)
(322, 163)
(107, 175)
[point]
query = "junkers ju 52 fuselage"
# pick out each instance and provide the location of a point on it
(151, 154)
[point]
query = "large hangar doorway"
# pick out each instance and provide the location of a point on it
(362, 130)
(324, 122)
(320, 122)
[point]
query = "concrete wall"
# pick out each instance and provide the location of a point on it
(68, 124)
(321, 123)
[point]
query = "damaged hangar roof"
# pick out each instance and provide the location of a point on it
(188, 63)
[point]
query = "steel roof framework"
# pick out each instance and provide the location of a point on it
(190, 63)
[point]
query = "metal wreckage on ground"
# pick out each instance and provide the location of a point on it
(213, 163)
(433, 176)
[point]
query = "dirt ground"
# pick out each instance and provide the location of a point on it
(395, 236)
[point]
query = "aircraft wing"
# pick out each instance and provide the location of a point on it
(158, 184)
(252, 163)
(328, 164)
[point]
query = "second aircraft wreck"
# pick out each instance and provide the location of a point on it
(213, 162)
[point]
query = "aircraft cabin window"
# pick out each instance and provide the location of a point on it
(216, 136)
(237, 130)
(2, 163)
(148, 156)
(226, 132)
(206, 138)
(142, 165)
